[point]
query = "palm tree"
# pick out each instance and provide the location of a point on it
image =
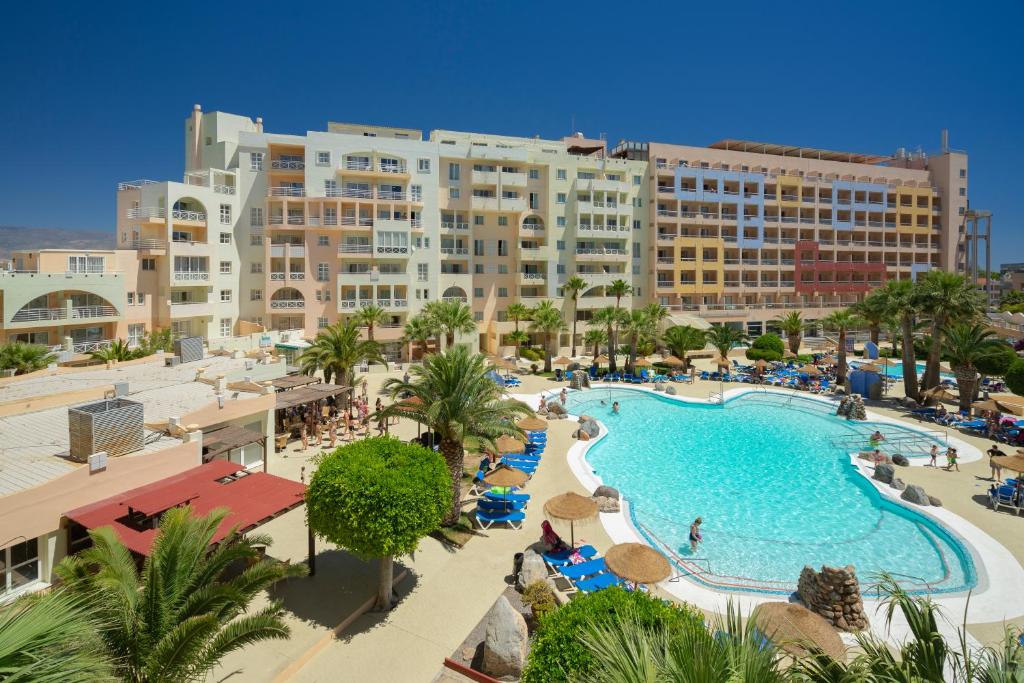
(841, 321)
(369, 316)
(595, 337)
(945, 297)
(608, 318)
(873, 310)
(517, 312)
(965, 344)
(23, 358)
(657, 313)
(457, 400)
(574, 285)
(724, 338)
(792, 325)
(51, 638)
(118, 351)
(419, 330)
(681, 339)
(901, 299)
(178, 616)
(337, 350)
(157, 340)
(637, 325)
(451, 317)
(547, 320)
(517, 338)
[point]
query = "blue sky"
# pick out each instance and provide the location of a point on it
(94, 93)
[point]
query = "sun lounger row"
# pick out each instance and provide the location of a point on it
(1006, 496)
(587, 576)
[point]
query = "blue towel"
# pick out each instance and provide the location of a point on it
(578, 571)
(560, 558)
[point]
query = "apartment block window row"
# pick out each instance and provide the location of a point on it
(225, 214)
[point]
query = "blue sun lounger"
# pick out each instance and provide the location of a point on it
(561, 559)
(512, 519)
(492, 506)
(596, 583)
(527, 466)
(515, 497)
(574, 572)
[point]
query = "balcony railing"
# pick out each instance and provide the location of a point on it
(287, 165)
(146, 212)
(90, 346)
(401, 250)
(357, 165)
(191, 275)
(287, 303)
(286, 191)
(455, 251)
(134, 184)
(355, 248)
(147, 244)
(601, 252)
(532, 276)
(295, 275)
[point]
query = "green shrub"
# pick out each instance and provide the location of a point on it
(763, 354)
(531, 354)
(769, 342)
(540, 598)
(998, 363)
(1015, 377)
(558, 653)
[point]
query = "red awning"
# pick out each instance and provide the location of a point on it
(252, 499)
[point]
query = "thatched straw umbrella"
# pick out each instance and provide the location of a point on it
(532, 424)
(508, 444)
(1010, 462)
(869, 367)
(503, 475)
(792, 627)
(603, 358)
(638, 563)
(991, 405)
(412, 402)
(809, 370)
(761, 364)
(561, 360)
(939, 393)
(571, 507)
(673, 361)
(642, 363)
(788, 354)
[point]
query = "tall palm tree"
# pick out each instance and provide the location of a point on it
(681, 339)
(573, 286)
(178, 616)
(51, 638)
(517, 312)
(873, 309)
(841, 321)
(419, 330)
(517, 338)
(945, 297)
(547, 320)
(451, 317)
(657, 313)
(337, 350)
(636, 325)
(965, 344)
(457, 400)
(23, 358)
(901, 298)
(370, 316)
(792, 325)
(595, 337)
(724, 338)
(608, 318)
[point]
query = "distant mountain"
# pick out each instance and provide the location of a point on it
(14, 238)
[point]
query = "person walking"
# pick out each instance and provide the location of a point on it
(997, 471)
(933, 456)
(695, 536)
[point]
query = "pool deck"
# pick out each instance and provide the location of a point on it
(444, 594)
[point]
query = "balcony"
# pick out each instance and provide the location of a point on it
(26, 315)
(286, 165)
(532, 278)
(158, 212)
(392, 304)
(287, 303)
(601, 230)
(191, 276)
(142, 245)
(484, 177)
(452, 226)
(484, 203)
(297, 275)
(355, 248)
(192, 309)
(513, 179)
(454, 251)
(600, 254)
(392, 250)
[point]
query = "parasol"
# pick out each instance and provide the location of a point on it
(571, 507)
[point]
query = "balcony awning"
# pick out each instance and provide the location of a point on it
(293, 345)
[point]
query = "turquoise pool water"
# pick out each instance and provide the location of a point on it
(897, 370)
(771, 477)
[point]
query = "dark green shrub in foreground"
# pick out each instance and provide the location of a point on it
(767, 347)
(763, 354)
(1015, 377)
(558, 652)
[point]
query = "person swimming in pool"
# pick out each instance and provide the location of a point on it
(615, 407)
(877, 437)
(695, 536)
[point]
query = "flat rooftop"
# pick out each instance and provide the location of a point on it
(34, 445)
(799, 152)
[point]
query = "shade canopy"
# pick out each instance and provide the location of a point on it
(761, 363)
(503, 364)
(308, 394)
(869, 367)
(991, 404)
(226, 439)
(638, 563)
(939, 393)
(1010, 462)
(561, 360)
(828, 360)
(532, 424)
(672, 360)
(571, 507)
(411, 401)
(642, 363)
(603, 358)
(809, 370)
(503, 475)
(290, 382)
(507, 444)
(794, 627)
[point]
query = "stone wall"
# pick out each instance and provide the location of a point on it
(834, 593)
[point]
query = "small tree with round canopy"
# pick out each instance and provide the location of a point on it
(377, 498)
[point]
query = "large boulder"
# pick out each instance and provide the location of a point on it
(606, 504)
(935, 501)
(897, 484)
(556, 408)
(670, 390)
(590, 428)
(505, 641)
(901, 460)
(606, 492)
(533, 569)
(909, 403)
(884, 473)
(915, 494)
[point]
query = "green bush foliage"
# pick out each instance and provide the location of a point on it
(378, 497)
(559, 654)
(531, 354)
(539, 597)
(763, 354)
(770, 342)
(1014, 377)
(998, 363)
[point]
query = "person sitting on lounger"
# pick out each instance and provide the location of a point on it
(553, 543)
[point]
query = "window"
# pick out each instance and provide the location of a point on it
(225, 214)
(255, 240)
(323, 272)
(319, 295)
(225, 238)
(19, 565)
(225, 295)
(560, 221)
(85, 264)
(636, 250)
(256, 267)
(560, 268)
(478, 247)
(534, 200)
(963, 172)
(502, 247)
(131, 298)
(255, 295)
(637, 179)
(422, 270)
(141, 298)
(225, 327)
(478, 220)
(561, 174)
(585, 175)
(149, 264)
(478, 268)
(256, 161)
(225, 267)
(478, 315)
(963, 191)
(636, 225)
(454, 171)
(534, 174)
(502, 269)
(560, 245)
(323, 241)
(560, 198)
(961, 212)
(478, 292)
(423, 165)
(503, 292)
(136, 331)
(453, 193)
(503, 221)
(331, 188)
(416, 193)
(321, 322)
(323, 158)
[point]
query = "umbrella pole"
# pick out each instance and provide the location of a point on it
(572, 534)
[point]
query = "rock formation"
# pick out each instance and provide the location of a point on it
(834, 593)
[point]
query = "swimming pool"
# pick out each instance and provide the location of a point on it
(896, 370)
(771, 476)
